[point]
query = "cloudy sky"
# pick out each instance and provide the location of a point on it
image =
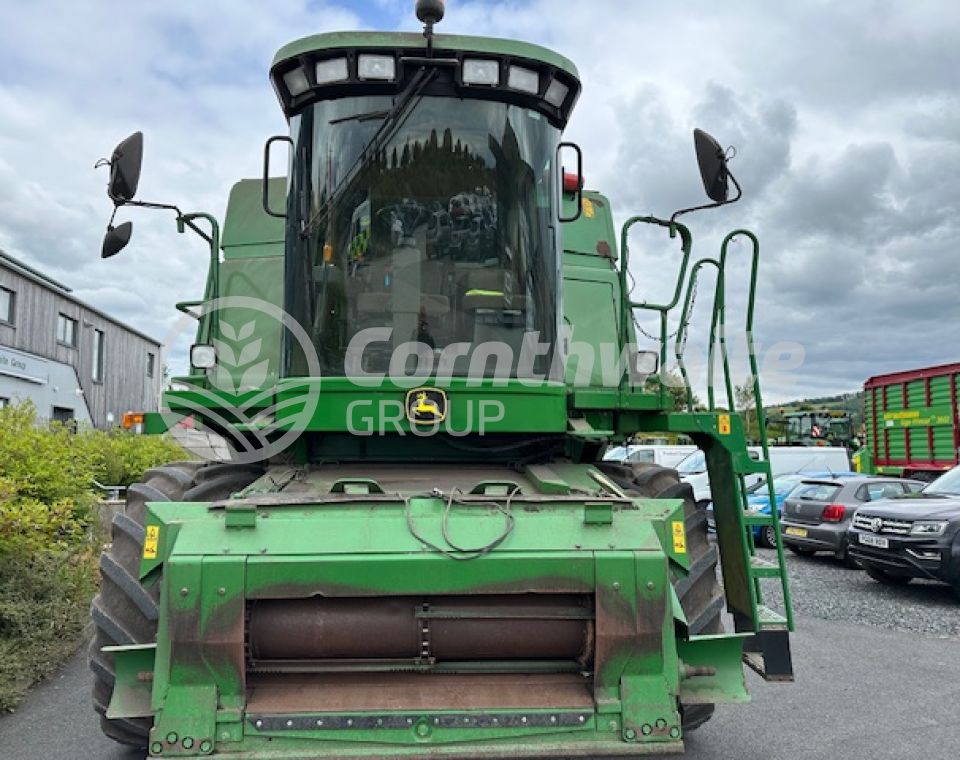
(845, 117)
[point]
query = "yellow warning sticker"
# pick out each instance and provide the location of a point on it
(723, 424)
(588, 208)
(151, 541)
(679, 537)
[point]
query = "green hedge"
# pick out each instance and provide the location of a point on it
(49, 542)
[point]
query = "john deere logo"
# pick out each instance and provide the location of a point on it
(426, 406)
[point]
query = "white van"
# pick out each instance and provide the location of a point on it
(662, 454)
(783, 460)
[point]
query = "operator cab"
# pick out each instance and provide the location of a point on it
(423, 204)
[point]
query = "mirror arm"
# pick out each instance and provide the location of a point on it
(712, 205)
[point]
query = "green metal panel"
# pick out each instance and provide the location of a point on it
(247, 229)
(346, 405)
(593, 232)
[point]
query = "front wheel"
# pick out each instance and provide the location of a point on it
(125, 612)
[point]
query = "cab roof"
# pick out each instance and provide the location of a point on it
(441, 42)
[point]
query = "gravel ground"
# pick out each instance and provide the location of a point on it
(822, 587)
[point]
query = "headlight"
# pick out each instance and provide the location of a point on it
(556, 93)
(928, 528)
(383, 67)
(296, 81)
(332, 70)
(523, 79)
(203, 356)
(481, 71)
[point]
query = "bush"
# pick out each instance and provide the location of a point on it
(49, 539)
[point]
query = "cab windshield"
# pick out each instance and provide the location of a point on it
(424, 236)
(947, 484)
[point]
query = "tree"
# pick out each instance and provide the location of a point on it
(745, 400)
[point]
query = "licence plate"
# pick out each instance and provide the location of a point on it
(801, 532)
(878, 541)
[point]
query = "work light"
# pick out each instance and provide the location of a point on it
(523, 79)
(377, 67)
(477, 71)
(332, 70)
(296, 81)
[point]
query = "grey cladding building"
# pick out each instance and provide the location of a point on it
(72, 360)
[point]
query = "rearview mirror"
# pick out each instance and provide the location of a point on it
(125, 170)
(713, 165)
(116, 239)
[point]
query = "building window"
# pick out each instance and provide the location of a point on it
(8, 302)
(97, 371)
(67, 330)
(4, 402)
(151, 363)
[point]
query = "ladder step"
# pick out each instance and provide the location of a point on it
(764, 569)
(770, 619)
(751, 467)
(752, 517)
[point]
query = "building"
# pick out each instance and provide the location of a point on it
(72, 360)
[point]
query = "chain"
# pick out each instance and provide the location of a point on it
(682, 326)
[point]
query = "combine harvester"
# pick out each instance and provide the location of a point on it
(429, 558)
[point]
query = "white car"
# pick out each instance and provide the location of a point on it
(783, 460)
(662, 454)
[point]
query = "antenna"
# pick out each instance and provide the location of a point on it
(430, 12)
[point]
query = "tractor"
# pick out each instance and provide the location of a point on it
(418, 345)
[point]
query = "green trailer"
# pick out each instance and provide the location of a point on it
(411, 553)
(912, 423)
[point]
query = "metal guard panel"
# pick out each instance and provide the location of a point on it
(344, 405)
(362, 525)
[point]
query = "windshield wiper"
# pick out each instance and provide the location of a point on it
(393, 119)
(367, 116)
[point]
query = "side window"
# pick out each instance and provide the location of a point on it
(8, 306)
(67, 331)
(883, 490)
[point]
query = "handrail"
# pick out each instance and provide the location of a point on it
(208, 320)
(626, 317)
(757, 399)
(683, 329)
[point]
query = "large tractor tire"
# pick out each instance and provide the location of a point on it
(124, 612)
(699, 592)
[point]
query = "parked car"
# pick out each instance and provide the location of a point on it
(818, 512)
(758, 499)
(783, 460)
(913, 537)
(663, 454)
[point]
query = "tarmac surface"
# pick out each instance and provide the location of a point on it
(861, 692)
(877, 676)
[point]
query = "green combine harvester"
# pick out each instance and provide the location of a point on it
(419, 345)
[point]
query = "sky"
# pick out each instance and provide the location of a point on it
(845, 118)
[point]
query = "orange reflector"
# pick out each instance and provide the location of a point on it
(132, 419)
(327, 253)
